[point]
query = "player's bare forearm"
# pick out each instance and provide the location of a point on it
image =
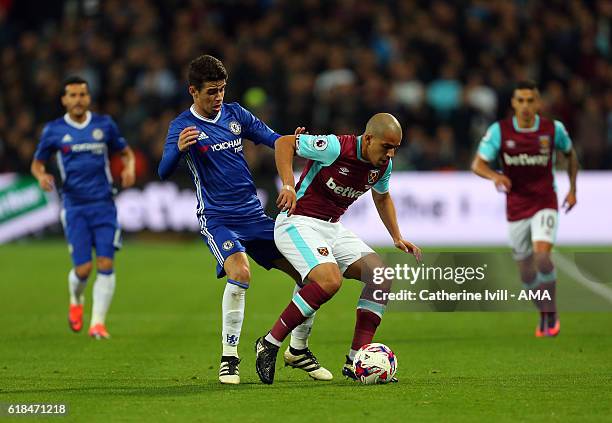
(37, 168)
(572, 169)
(386, 211)
(39, 171)
(284, 151)
(481, 168)
(127, 156)
(128, 175)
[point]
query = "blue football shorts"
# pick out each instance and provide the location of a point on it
(90, 227)
(254, 236)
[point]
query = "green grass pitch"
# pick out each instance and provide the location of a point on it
(162, 362)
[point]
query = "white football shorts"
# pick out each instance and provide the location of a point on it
(542, 226)
(307, 242)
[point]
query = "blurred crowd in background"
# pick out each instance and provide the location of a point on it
(444, 68)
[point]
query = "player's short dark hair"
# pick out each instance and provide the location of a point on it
(204, 69)
(525, 84)
(73, 79)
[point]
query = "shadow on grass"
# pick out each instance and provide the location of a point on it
(171, 390)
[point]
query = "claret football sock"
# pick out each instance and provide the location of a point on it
(299, 335)
(368, 316)
(548, 285)
(365, 327)
(303, 305)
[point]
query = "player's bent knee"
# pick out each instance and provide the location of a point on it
(327, 276)
(83, 270)
(544, 263)
(528, 273)
(240, 273)
(373, 260)
(104, 263)
(528, 277)
(527, 269)
(330, 286)
(546, 266)
(331, 282)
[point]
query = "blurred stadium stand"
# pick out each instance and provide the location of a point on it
(445, 68)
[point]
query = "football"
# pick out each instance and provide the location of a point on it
(375, 363)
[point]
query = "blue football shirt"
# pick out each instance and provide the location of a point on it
(224, 184)
(82, 150)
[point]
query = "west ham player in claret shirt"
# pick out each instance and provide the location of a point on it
(527, 144)
(339, 170)
(81, 142)
(209, 137)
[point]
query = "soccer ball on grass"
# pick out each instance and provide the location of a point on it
(375, 363)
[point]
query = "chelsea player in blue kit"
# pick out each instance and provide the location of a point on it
(209, 137)
(81, 142)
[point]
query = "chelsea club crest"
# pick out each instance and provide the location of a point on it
(235, 127)
(97, 134)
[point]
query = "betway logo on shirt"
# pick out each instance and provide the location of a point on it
(349, 192)
(526, 159)
(235, 144)
(93, 147)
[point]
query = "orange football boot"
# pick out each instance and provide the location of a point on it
(75, 317)
(554, 331)
(540, 331)
(99, 332)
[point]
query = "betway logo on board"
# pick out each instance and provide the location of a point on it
(526, 160)
(349, 192)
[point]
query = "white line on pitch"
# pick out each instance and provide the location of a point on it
(582, 277)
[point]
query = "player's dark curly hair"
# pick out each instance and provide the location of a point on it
(73, 79)
(204, 69)
(526, 84)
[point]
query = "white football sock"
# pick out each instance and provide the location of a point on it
(273, 340)
(300, 335)
(76, 287)
(352, 354)
(232, 310)
(103, 290)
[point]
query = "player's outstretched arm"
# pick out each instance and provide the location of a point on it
(284, 151)
(388, 216)
(128, 174)
(481, 168)
(45, 179)
(572, 171)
